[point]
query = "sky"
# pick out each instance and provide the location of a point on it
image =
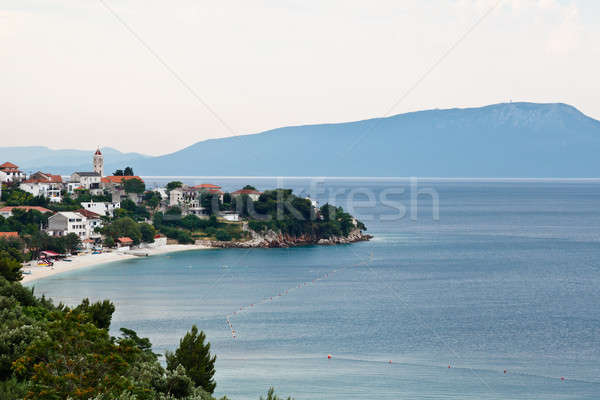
(157, 76)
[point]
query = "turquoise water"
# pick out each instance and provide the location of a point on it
(508, 279)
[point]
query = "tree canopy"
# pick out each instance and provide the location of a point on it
(134, 185)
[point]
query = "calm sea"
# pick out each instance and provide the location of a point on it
(507, 279)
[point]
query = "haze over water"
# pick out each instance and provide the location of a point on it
(508, 279)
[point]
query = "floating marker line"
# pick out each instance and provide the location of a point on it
(282, 293)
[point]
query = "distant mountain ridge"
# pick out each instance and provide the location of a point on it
(501, 140)
(41, 158)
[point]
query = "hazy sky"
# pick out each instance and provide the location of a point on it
(73, 76)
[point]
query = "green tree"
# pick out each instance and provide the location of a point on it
(72, 242)
(128, 171)
(226, 198)
(128, 205)
(148, 233)
(174, 185)
(248, 187)
(118, 172)
(123, 227)
(75, 360)
(109, 242)
(223, 235)
(134, 186)
(10, 268)
(272, 396)
(100, 313)
(194, 355)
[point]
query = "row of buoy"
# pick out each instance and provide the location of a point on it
(329, 357)
(281, 294)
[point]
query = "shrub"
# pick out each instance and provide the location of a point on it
(223, 235)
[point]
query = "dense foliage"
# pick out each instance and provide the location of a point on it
(282, 211)
(185, 229)
(134, 186)
(50, 352)
(123, 227)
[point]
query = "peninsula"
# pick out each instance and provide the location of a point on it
(51, 223)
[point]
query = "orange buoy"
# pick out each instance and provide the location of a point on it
(329, 356)
(448, 366)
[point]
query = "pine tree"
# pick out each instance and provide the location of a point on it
(194, 355)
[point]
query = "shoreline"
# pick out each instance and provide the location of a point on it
(90, 260)
(270, 240)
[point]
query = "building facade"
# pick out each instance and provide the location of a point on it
(43, 184)
(105, 209)
(86, 180)
(99, 162)
(65, 222)
(11, 172)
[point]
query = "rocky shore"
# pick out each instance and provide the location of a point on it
(271, 239)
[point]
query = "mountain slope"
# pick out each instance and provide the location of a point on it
(39, 158)
(503, 140)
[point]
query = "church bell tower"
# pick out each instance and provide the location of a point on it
(99, 162)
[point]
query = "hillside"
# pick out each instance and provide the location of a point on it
(40, 158)
(502, 140)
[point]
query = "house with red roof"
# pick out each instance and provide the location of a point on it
(124, 242)
(253, 194)
(110, 182)
(65, 222)
(214, 191)
(114, 184)
(206, 186)
(8, 211)
(92, 221)
(9, 235)
(44, 184)
(87, 181)
(11, 173)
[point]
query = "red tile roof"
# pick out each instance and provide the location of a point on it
(26, 208)
(246, 191)
(213, 191)
(98, 152)
(9, 235)
(49, 179)
(125, 240)
(119, 179)
(8, 165)
(207, 186)
(88, 214)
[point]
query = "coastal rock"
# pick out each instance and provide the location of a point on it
(272, 239)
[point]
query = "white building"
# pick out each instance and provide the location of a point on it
(46, 185)
(87, 180)
(82, 223)
(176, 197)
(93, 221)
(230, 216)
(101, 208)
(162, 192)
(314, 203)
(11, 173)
(65, 222)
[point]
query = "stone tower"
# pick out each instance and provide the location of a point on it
(99, 162)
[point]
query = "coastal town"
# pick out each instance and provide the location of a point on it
(50, 217)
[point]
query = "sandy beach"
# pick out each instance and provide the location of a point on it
(88, 260)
